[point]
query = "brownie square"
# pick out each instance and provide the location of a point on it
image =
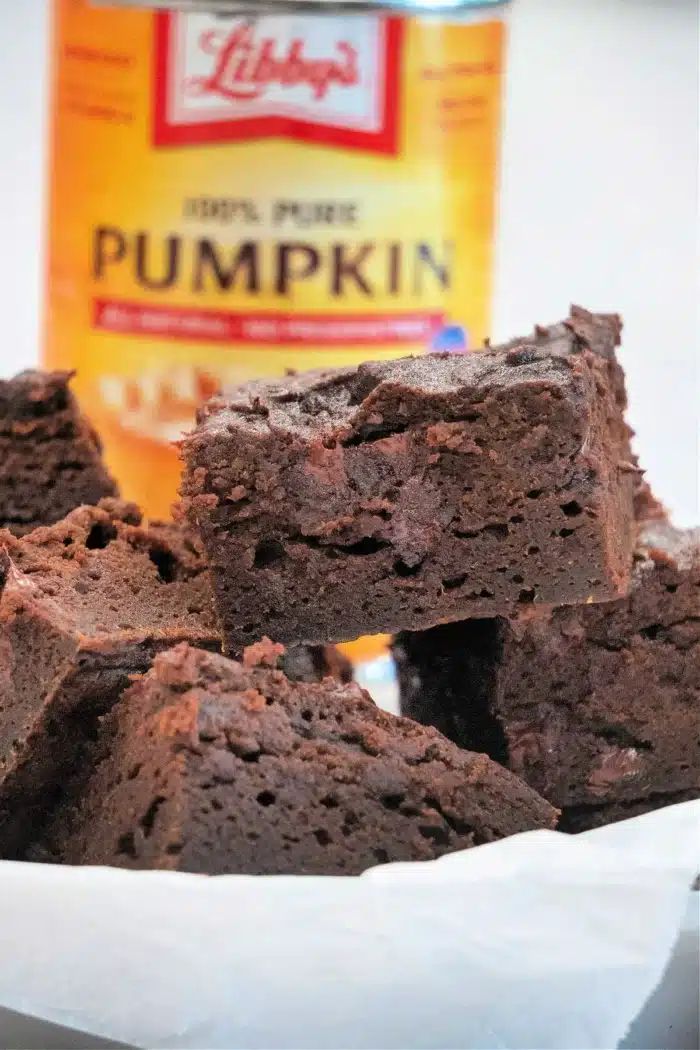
(221, 767)
(405, 493)
(85, 603)
(595, 706)
(50, 456)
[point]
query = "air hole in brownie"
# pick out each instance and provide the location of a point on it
(526, 595)
(165, 562)
(517, 519)
(484, 593)
(100, 535)
(249, 628)
(534, 493)
(330, 802)
(367, 545)
(267, 798)
(517, 578)
(126, 845)
(134, 771)
(149, 817)
(267, 553)
(251, 756)
(440, 836)
(402, 569)
(322, 837)
(350, 823)
(381, 856)
(307, 715)
(173, 848)
(572, 509)
(501, 529)
(368, 435)
(454, 581)
(565, 532)
(392, 801)
(418, 610)
(410, 811)
(651, 632)
(533, 550)
(671, 588)
(620, 737)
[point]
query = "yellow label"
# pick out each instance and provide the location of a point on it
(233, 198)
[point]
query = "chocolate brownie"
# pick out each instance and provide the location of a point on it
(219, 767)
(85, 603)
(50, 456)
(595, 706)
(404, 493)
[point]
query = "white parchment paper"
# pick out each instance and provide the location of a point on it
(536, 942)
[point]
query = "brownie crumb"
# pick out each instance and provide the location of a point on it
(263, 654)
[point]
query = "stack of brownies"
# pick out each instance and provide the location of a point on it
(486, 509)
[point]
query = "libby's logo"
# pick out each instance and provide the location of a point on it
(329, 80)
(245, 67)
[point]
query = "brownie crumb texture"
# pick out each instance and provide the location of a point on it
(404, 493)
(217, 766)
(50, 455)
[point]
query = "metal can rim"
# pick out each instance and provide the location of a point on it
(252, 8)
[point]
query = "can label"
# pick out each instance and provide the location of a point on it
(234, 197)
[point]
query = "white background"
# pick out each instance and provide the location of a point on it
(599, 197)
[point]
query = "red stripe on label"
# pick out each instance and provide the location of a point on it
(272, 329)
